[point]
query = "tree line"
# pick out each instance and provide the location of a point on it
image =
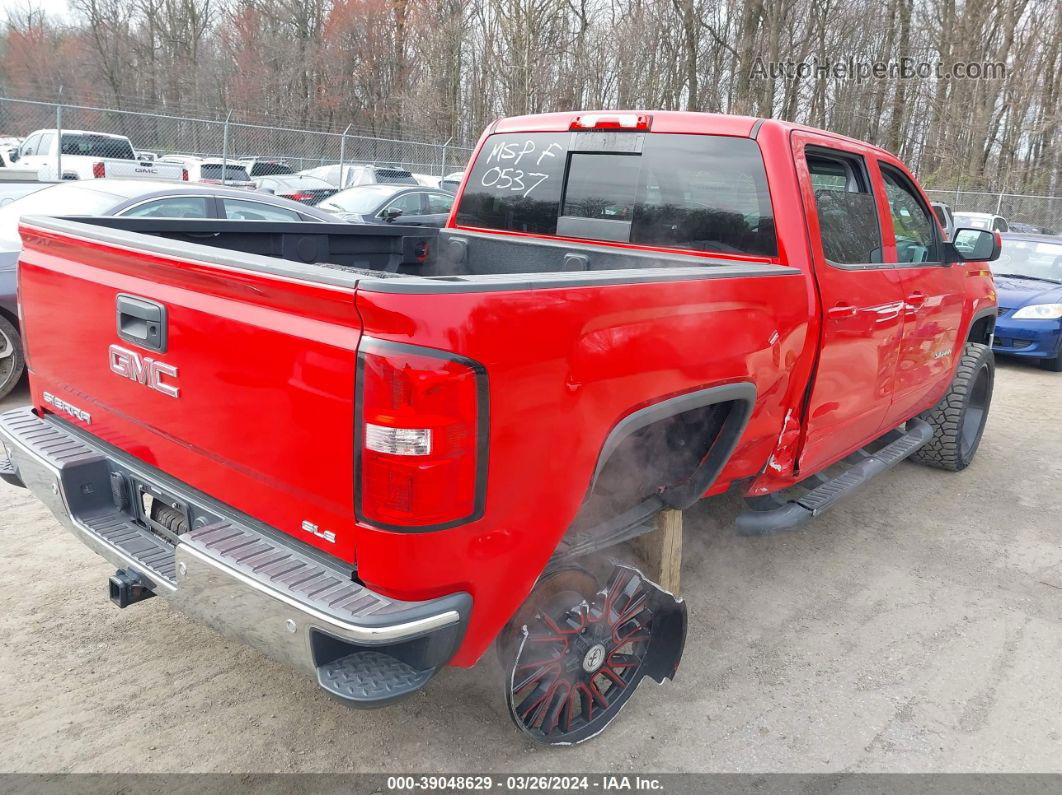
(442, 69)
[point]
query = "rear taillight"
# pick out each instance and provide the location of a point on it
(300, 197)
(99, 170)
(422, 437)
(184, 174)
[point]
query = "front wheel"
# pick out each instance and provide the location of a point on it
(12, 361)
(958, 420)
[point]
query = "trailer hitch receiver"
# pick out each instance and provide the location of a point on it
(127, 588)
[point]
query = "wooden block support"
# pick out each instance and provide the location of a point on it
(661, 550)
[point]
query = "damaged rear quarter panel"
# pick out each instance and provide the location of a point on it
(564, 366)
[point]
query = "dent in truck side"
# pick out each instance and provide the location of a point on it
(580, 360)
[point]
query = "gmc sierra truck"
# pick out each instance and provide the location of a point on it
(84, 154)
(376, 451)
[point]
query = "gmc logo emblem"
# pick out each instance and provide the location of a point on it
(143, 369)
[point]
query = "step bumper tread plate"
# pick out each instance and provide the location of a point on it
(246, 581)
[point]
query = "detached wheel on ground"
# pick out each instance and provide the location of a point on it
(577, 650)
(12, 360)
(959, 419)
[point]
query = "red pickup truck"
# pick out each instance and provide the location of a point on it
(373, 452)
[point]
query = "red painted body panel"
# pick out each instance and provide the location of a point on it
(565, 366)
(265, 421)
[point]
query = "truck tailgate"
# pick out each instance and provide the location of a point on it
(238, 381)
(140, 169)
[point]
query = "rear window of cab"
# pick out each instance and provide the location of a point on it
(692, 192)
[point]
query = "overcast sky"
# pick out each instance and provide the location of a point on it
(57, 9)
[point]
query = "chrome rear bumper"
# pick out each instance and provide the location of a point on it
(244, 579)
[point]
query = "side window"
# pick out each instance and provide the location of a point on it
(45, 145)
(241, 210)
(439, 203)
(408, 203)
(848, 215)
(915, 231)
(171, 207)
(29, 146)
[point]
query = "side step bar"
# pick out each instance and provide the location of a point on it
(829, 491)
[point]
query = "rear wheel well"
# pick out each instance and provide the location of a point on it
(665, 455)
(981, 329)
(652, 458)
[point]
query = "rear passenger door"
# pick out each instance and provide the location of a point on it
(861, 297)
(932, 294)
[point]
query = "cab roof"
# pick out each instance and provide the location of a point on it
(666, 121)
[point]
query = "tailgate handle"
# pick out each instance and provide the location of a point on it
(142, 322)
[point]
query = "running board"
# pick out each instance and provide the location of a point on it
(795, 513)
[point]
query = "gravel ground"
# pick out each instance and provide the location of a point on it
(917, 627)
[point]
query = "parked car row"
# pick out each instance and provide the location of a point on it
(86, 154)
(950, 220)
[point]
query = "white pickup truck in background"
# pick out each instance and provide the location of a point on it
(88, 155)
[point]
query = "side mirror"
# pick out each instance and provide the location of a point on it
(974, 245)
(391, 214)
(14, 156)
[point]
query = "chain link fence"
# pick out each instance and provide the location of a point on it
(163, 134)
(170, 134)
(1044, 212)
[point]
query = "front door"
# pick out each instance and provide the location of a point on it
(933, 297)
(862, 300)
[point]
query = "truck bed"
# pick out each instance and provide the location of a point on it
(449, 257)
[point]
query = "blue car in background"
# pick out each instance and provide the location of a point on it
(1028, 276)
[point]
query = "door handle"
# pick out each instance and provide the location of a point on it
(842, 311)
(141, 322)
(916, 299)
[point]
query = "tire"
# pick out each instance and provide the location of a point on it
(959, 419)
(582, 649)
(12, 358)
(1054, 365)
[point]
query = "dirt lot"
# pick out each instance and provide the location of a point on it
(918, 627)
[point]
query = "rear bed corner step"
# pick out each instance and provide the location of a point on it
(794, 513)
(369, 679)
(8, 473)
